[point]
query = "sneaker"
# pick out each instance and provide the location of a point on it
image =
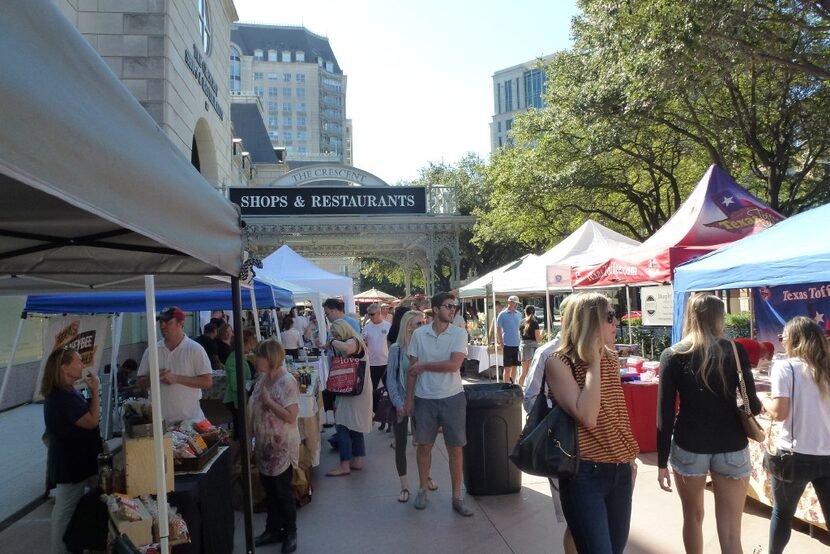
(459, 506)
(421, 499)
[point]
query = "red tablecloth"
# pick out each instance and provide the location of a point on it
(641, 401)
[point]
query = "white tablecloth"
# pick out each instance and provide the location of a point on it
(485, 360)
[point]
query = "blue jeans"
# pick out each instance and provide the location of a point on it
(808, 469)
(597, 506)
(350, 443)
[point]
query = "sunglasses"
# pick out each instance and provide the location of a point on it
(612, 315)
(450, 306)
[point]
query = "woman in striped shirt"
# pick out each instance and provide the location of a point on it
(584, 378)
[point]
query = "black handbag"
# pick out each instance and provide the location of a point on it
(384, 409)
(548, 445)
(781, 463)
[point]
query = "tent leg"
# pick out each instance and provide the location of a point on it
(15, 344)
(548, 311)
(495, 331)
(155, 399)
(248, 511)
(256, 315)
(115, 333)
(628, 312)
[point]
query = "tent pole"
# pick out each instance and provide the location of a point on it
(112, 390)
(248, 512)
(155, 400)
(256, 315)
(628, 312)
(495, 327)
(15, 344)
(548, 310)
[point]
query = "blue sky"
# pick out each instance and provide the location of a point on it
(420, 73)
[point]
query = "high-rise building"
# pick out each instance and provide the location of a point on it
(302, 88)
(515, 90)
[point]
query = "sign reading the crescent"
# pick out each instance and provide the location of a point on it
(328, 172)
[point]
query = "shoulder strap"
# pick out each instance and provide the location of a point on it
(792, 408)
(744, 395)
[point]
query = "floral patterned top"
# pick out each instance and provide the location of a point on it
(276, 442)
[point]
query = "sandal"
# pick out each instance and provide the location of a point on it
(404, 495)
(337, 472)
(431, 484)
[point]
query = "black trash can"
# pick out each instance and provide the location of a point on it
(494, 422)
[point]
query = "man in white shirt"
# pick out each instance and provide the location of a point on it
(184, 369)
(374, 335)
(437, 398)
(385, 311)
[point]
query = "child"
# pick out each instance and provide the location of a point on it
(273, 417)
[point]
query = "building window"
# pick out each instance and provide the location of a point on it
(272, 91)
(236, 70)
(330, 67)
(508, 96)
(272, 106)
(301, 107)
(508, 125)
(272, 76)
(204, 26)
(286, 56)
(286, 92)
(319, 61)
(257, 75)
(272, 121)
(301, 77)
(286, 120)
(300, 93)
(498, 127)
(301, 149)
(258, 55)
(286, 135)
(272, 55)
(258, 91)
(286, 106)
(534, 81)
(500, 143)
(286, 77)
(300, 55)
(301, 135)
(300, 121)
(273, 134)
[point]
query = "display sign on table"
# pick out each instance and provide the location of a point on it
(658, 305)
(775, 306)
(85, 333)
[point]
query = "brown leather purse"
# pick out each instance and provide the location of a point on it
(751, 426)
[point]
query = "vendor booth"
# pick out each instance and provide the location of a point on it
(95, 195)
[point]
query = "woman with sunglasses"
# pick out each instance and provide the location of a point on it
(583, 376)
(800, 398)
(397, 371)
(707, 436)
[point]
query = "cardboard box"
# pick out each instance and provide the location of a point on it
(140, 532)
(140, 465)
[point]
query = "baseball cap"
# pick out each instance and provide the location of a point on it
(513, 298)
(173, 312)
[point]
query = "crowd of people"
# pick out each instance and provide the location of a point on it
(418, 360)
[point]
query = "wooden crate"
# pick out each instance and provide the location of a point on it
(140, 465)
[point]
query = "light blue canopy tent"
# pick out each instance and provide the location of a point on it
(788, 253)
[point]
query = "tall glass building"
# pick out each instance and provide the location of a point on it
(515, 89)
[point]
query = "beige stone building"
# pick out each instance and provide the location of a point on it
(302, 88)
(515, 90)
(173, 56)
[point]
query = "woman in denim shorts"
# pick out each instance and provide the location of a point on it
(706, 437)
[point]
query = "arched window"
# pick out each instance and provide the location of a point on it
(258, 55)
(204, 26)
(272, 55)
(236, 70)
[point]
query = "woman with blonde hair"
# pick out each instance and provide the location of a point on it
(352, 414)
(583, 376)
(74, 438)
(397, 371)
(707, 436)
(800, 398)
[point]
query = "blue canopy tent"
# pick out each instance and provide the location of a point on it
(788, 253)
(266, 295)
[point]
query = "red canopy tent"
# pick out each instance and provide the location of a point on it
(717, 212)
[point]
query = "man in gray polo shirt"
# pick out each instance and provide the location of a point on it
(435, 395)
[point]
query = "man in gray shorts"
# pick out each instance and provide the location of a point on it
(435, 395)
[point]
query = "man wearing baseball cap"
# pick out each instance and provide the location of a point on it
(184, 369)
(508, 337)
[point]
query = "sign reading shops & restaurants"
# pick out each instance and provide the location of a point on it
(270, 201)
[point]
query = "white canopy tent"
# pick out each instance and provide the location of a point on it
(95, 196)
(286, 265)
(591, 240)
(483, 286)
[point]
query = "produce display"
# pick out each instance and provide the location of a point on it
(305, 376)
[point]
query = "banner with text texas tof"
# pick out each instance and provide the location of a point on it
(775, 306)
(85, 333)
